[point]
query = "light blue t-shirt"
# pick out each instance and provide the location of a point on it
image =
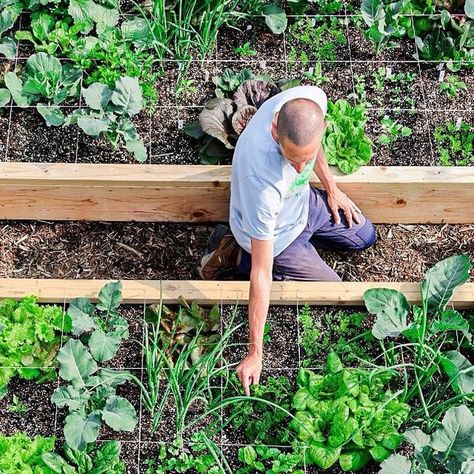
(269, 199)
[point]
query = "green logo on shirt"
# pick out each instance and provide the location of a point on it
(301, 180)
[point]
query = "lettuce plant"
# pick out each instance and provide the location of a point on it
(47, 79)
(449, 450)
(347, 415)
(91, 395)
(109, 113)
(431, 343)
(344, 141)
(20, 454)
(30, 336)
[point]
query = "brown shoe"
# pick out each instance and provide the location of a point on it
(222, 255)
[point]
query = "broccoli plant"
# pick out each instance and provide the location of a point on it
(109, 113)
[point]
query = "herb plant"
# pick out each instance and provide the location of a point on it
(344, 141)
(30, 336)
(449, 450)
(451, 86)
(17, 406)
(20, 454)
(347, 415)
(47, 79)
(392, 131)
(110, 112)
(245, 50)
(103, 459)
(431, 344)
(255, 459)
(454, 143)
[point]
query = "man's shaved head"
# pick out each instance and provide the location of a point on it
(300, 121)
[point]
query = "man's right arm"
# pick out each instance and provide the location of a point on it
(250, 368)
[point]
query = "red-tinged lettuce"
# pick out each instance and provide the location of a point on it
(347, 415)
(30, 337)
(344, 141)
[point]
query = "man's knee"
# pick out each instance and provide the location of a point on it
(366, 235)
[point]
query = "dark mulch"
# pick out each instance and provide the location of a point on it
(173, 251)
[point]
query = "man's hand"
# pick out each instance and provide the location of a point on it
(249, 371)
(339, 200)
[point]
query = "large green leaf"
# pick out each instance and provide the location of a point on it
(81, 429)
(8, 47)
(119, 414)
(396, 464)
(455, 437)
(103, 345)
(97, 96)
(93, 126)
(324, 456)
(417, 438)
(73, 398)
(275, 18)
(460, 372)
(44, 65)
(128, 95)
(9, 15)
(442, 280)
(81, 311)
(15, 86)
(76, 364)
(450, 320)
(391, 308)
(52, 114)
(5, 97)
(469, 8)
(138, 149)
(354, 460)
(110, 297)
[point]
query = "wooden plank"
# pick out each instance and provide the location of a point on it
(156, 193)
(225, 292)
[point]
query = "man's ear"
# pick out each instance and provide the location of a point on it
(274, 125)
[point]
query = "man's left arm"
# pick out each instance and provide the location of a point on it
(336, 198)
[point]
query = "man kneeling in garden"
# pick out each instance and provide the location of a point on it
(277, 219)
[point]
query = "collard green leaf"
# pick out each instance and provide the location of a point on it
(73, 398)
(110, 297)
(455, 437)
(93, 126)
(391, 308)
(15, 86)
(127, 95)
(449, 320)
(469, 8)
(97, 96)
(467, 467)
(9, 15)
(137, 148)
(459, 370)
(119, 414)
(8, 47)
(76, 364)
(104, 346)
(5, 97)
(442, 280)
(81, 311)
(81, 429)
(396, 464)
(417, 438)
(52, 114)
(275, 18)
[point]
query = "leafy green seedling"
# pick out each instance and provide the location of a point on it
(315, 75)
(255, 458)
(245, 50)
(454, 143)
(451, 86)
(17, 406)
(186, 87)
(392, 131)
(266, 333)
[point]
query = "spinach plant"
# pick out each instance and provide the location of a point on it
(30, 336)
(91, 395)
(449, 450)
(19, 453)
(47, 79)
(431, 344)
(392, 131)
(454, 143)
(109, 113)
(344, 141)
(347, 415)
(103, 459)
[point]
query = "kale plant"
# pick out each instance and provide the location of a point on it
(103, 459)
(344, 141)
(431, 343)
(347, 415)
(47, 79)
(109, 113)
(30, 336)
(20, 454)
(91, 395)
(449, 450)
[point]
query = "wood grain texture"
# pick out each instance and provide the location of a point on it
(225, 292)
(181, 193)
